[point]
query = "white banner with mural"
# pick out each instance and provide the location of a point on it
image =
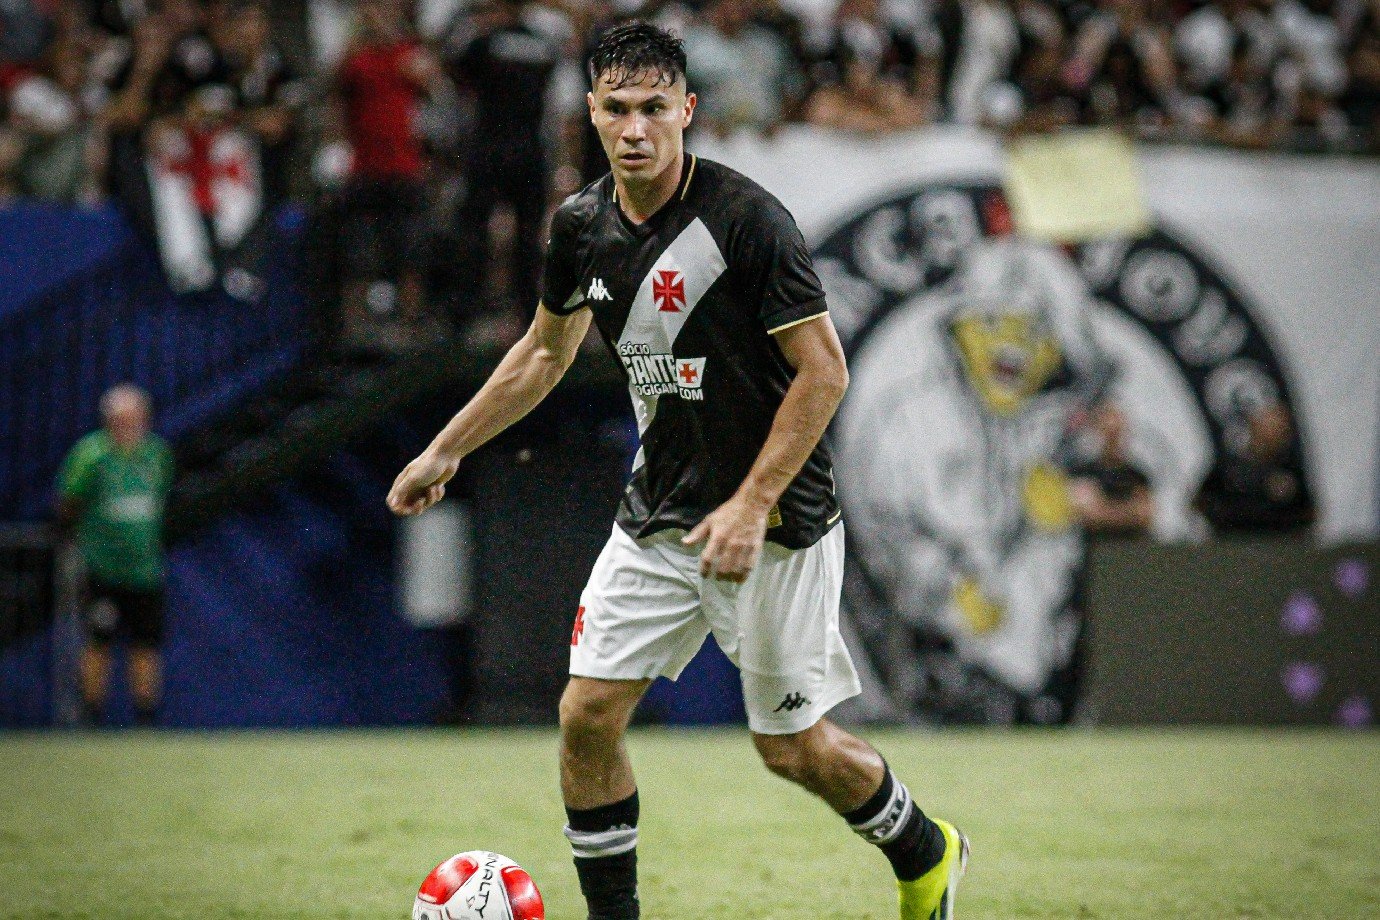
(1231, 351)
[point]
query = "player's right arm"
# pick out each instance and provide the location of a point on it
(529, 371)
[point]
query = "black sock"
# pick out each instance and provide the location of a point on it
(892, 822)
(604, 841)
(145, 716)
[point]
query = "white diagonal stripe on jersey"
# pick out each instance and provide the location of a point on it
(696, 258)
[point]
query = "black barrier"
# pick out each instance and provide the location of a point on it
(1247, 631)
(27, 580)
(540, 518)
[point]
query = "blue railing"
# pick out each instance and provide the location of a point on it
(113, 319)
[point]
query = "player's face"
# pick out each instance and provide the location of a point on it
(641, 123)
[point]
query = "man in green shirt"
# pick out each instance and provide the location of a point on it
(112, 488)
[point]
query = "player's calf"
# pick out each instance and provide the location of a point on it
(600, 793)
(825, 760)
(852, 777)
(594, 717)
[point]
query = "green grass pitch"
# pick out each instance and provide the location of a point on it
(1118, 826)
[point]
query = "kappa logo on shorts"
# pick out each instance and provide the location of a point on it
(792, 702)
(579, 629)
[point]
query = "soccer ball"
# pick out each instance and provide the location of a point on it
(478, 885)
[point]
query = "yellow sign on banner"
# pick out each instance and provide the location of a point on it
(1075, 186)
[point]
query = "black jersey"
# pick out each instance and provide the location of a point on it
(688, 301)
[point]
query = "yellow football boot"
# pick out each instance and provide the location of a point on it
(931, 896)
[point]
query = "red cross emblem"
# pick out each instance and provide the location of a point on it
(579, 626)
(198, 165)
(668, 289)
(688, 374)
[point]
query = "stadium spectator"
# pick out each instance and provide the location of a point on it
(112, 487)
(1246, 107)
(1205, 38)
(143, 84)
(507, 67)
(1041, 101)
(1318, 123)
(193, 59)
(11, 152)
(1110, 495)
(1260, 484)
(1361, 101)
(1030, 94)
(790, 26)
(270, 94)
(86, 84)
(382, 80)
(24, 32)
(126, 74)
(1312, 45)
(1122, 65)
(872, 78)
(742, 72)
(48, 112)
(986, 49)
(117, 17)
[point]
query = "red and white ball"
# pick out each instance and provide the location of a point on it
(478, 885)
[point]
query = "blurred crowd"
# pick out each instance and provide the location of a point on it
(86, 88)
(433, 134)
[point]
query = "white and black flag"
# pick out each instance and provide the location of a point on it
(207, 194)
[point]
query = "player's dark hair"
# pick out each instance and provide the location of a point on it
(626, 53)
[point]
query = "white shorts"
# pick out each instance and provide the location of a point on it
(646, 611)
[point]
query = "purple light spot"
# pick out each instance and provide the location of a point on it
(1352, 577)
(1355, 712)
(1302, 681)
(1301, 616)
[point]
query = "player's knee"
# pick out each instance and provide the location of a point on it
(788, 756)
(592, 714)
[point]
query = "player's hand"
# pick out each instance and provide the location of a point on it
(733, 535)
(421, 484)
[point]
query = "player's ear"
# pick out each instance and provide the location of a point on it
(589, 97)
(690, 101)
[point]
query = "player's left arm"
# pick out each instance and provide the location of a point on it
(733, 533)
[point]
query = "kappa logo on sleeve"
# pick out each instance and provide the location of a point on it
(597, 291)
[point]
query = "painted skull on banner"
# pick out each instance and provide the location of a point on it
(978, 359)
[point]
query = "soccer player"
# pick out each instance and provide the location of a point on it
(702, 287)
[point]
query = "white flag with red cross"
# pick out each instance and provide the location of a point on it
(207, 196)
